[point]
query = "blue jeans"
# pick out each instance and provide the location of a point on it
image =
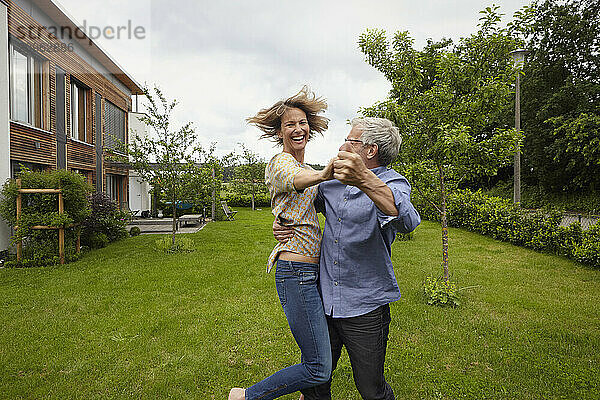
(297, 288)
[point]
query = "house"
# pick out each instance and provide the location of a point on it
(64, 101)
(139, 190)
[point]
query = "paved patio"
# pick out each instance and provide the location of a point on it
(161, 226)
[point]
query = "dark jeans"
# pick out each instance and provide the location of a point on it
(297, 288)
(365, 338)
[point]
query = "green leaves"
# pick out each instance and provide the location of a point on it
(450, 101)
(439, 292)
(451, 104)
(171, 160)
(180, 245)
(560, 85)
(41, 247)
(248, 177)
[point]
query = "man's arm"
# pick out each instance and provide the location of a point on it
(351, 170)
(408, 218)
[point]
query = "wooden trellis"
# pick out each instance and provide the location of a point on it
(61, 229)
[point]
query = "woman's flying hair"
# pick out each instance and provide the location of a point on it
(268, 120)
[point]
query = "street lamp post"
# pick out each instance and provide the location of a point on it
(519, 59)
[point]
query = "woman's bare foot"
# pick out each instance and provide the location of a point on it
(237, 394)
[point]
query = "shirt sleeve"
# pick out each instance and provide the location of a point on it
(408, 218)
(280, 173)
(320, 201)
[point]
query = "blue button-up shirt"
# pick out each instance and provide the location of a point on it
(357, 275)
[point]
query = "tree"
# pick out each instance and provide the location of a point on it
(249, 173)
(450, 102)
(172, 160)
(561, 93)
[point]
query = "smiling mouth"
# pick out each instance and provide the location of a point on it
(298, 139)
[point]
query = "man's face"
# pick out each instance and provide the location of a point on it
(353, 144)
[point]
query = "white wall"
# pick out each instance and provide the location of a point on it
(139, 198)
(4, 115)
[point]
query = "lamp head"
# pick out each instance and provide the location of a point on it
(518, 56)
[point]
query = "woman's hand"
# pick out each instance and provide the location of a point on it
(281, 232)
(327, 172)
(310, 177)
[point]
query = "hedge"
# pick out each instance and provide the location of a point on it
(40, 247)
(536, 197)
(501, 219)
(245, 200)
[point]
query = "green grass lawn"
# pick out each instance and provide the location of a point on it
(129, 322)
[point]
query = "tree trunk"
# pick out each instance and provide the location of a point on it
(252, 196)
(174, 227)
(444, 222)
(213, 208)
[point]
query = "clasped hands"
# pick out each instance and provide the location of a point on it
(347, 167)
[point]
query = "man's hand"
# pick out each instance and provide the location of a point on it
(282, 233)
(350, 169)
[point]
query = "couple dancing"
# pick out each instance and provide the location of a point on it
(335, 287)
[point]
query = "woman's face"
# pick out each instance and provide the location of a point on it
(294, 130)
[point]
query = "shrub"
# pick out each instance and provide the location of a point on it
(134, 231)
(182, 245)
(40, 247)
(537, 197)
(96, 240)
(501, 219)
(404, 237)
(439, 292)
(245, 200)
(588, 252)
(105, 219)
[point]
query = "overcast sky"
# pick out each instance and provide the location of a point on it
(224, 60)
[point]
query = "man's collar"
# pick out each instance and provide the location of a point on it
(379, 169)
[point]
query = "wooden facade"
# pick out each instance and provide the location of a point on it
(39, 145)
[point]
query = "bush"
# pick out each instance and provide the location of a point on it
(438, 292)
(404, 237)
(588, 251)
(182, 245)
(537, 197)
(135, 231)
(40, 247)
(501, 219)
(96, 240)
(245, 200)
(105, 224)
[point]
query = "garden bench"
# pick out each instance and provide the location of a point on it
(190, 219)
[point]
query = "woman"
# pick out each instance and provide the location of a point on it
(292, 123)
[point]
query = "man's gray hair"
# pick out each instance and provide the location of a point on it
(383, 133)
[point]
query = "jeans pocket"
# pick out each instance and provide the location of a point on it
(307, 277)
(280, 286)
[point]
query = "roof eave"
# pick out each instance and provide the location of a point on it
(60, 15)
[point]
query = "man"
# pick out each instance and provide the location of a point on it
(364, 207)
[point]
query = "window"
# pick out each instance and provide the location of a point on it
(18, 166)
(114, 188)
(79, 106)
(28, 85)
(114, 126)
(87, 175)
